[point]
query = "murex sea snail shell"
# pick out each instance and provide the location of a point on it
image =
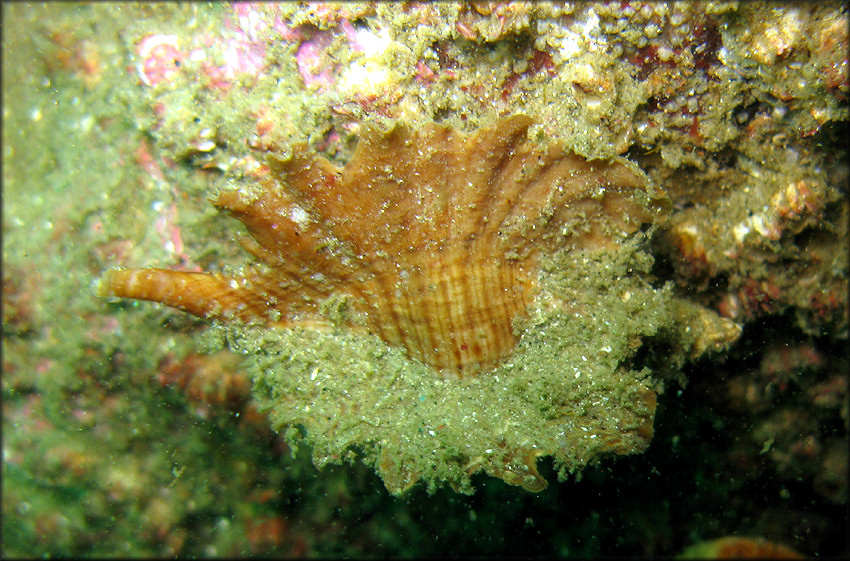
(435, 242)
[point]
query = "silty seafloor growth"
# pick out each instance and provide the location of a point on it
(443, 304)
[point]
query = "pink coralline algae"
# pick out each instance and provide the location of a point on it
(160, 59)
(244, 54)
(312, 60)
(241, 59)
(239, 54)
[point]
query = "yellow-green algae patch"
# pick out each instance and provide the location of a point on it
(569, 390)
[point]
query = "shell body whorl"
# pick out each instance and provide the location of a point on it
(433, 236)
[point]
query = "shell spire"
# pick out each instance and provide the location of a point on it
(431, 235)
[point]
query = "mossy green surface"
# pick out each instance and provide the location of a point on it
(567, 390)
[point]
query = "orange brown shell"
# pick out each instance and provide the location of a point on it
(430, 236)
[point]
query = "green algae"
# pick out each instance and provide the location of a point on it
(568, 390)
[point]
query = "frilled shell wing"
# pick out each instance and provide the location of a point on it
(431, 235)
